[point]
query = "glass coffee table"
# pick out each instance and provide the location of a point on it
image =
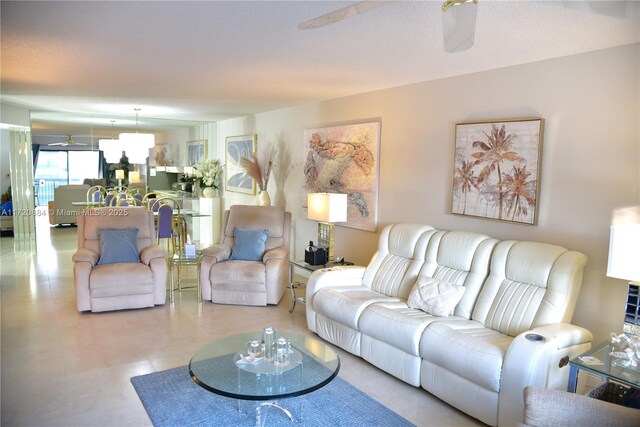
(214, 368)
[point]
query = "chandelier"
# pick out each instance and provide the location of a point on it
(112, 148)
(137, 144)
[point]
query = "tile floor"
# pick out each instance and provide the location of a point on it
(64, 368)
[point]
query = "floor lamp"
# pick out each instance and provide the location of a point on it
(624, 261)
(327, 208)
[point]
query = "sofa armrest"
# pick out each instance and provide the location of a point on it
(544, 407)
(276, 253)
(86, 255)
(151, 252)
(538, 362)
(338, 276)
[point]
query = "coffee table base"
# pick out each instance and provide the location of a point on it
(293, 410)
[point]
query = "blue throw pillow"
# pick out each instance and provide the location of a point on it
(250, 244)
(118, 245)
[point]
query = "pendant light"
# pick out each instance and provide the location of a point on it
(112, 148)
(137, 144)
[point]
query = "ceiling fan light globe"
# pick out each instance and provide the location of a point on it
(459, 26)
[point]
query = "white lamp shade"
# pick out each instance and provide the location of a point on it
(327, 207)
(138, 140)
(137, 155)
(134, 176)
(624, 252)
(119, 174)
(112, 156)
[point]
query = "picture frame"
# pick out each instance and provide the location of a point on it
(196, 151)
(497, 166)
(162, 156)
(236, 178)
(345, 158)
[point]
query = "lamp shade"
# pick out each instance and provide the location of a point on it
(119, 174)
(138, 140)
(327, 207)
(624, 245)
(134, 176)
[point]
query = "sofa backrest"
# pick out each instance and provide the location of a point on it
(272, 218)
(462, 258)
(90, 220)
(530, 284)
(401, 253)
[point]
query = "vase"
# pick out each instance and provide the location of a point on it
(263, 198)
(209, 192)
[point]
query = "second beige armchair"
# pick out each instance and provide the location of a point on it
(250, 266)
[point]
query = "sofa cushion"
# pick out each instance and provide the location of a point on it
(238, 272)
(118, 245)
(396, 324)
(345, 304)
(468, 349)
(249, 244)
(434, 296)
(120, 279)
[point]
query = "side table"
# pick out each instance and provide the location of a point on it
(293, 286)
(178, 260)
(608, 370)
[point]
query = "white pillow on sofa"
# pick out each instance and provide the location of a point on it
(435, 296)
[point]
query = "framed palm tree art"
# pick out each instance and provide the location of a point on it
(497, 169)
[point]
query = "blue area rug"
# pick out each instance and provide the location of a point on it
(171, 398)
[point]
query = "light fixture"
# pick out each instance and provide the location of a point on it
(119, 176)
(327, 208)
(111, 148)
(134, 177)
(459, 24)
(624, 261)
(137, 144)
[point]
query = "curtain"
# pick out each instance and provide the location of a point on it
(21, 165)
(36, 152)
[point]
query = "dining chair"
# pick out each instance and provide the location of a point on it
(96, 193)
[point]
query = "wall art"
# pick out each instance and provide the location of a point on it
(345, 159)
(497, 169)
(236, 178)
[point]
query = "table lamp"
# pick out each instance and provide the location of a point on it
(624, 261)
(134, 176)
(119, 176)
(327, 208)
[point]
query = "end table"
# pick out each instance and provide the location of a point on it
(178, 260)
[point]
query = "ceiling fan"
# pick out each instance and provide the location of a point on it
(68, 142)
(459, 17)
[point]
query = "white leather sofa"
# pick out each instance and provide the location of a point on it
(509, 330)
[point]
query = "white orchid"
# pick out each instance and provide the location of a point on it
(208, 173)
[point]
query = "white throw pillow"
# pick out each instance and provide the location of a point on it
(435, 296)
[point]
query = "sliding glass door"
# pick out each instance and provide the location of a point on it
(55, 168)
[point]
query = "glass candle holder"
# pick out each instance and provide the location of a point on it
(269, 336)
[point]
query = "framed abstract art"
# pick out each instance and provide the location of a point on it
(345, 159)
(238, 147)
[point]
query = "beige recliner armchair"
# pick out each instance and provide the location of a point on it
(231, 274)
(115, 266)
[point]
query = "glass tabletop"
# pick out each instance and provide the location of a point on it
(213, 367)
(183, 258)
(610, 366)
(309, 267)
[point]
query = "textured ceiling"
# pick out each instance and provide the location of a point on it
(213, 60)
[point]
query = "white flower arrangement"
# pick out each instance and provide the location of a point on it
(208, 172)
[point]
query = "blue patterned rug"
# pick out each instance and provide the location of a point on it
(171, 398)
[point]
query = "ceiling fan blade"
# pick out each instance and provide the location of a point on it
(63, 144)
(614, 8)
(341, 14)
(459, 24)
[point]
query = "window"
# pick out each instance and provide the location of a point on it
(57, 168)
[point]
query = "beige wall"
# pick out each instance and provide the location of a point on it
(590, 162)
